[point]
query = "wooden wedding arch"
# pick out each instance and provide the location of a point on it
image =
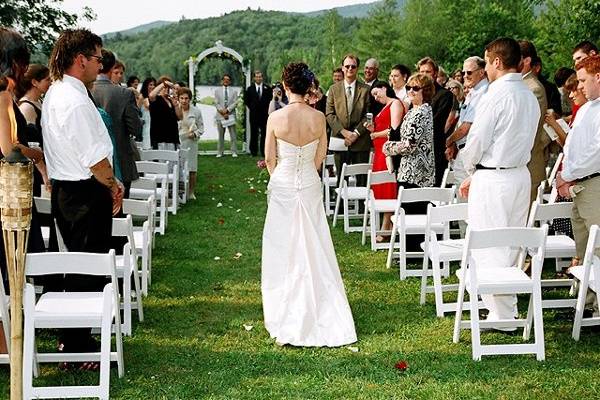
(221, 51)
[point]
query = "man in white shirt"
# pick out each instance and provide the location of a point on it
(226, 101)
(496, 154)
(78, 151)
(474, 76)
(581, 165)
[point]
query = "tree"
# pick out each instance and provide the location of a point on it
(39, 21)
(333, 38)
(379, 34)
(561, 26)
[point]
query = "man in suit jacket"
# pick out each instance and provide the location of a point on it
(257, 99)
(540, 153)
(441, 105)
(120, 104)
(346, 110)
(225, 102)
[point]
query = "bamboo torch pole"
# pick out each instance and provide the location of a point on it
(16, 203)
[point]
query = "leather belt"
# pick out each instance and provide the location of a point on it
(585, 178)
(479, 166)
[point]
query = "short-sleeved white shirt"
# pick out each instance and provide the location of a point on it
(75, 137)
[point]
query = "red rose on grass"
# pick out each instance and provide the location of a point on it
(261, 164)
(401, 365)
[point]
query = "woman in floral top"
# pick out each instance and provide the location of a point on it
(414, 146)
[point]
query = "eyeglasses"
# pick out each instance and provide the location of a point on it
(98, 58)
(413, 88)
(350, 66)
(468, 73)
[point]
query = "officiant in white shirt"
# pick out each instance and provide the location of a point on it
(225, 102)
(496, 154)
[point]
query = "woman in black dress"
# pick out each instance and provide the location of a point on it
(164, 114)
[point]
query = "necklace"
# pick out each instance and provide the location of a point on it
(297, 101)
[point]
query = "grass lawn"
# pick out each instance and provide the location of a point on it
(193, 343)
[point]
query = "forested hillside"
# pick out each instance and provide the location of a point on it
(393, 31)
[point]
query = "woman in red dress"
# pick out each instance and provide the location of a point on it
(388, 119)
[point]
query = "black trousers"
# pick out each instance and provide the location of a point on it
(258, 129)
(83, 213)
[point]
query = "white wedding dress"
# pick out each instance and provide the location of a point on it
(304, 300)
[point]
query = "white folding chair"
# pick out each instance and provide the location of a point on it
(127, 270)
(554, 170)
(172, 158)
(346, 194)
(441, 253)
(143, 188)
(373, 208)
(44, 206)
(482, 280)
(414, 224)
(72, 310)
(329, 182)
(5, 320)
(588, 275)
(144, 235)
(449, 179)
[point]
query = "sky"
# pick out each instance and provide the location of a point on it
(117, 15)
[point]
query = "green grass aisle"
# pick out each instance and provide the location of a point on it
(203, 337)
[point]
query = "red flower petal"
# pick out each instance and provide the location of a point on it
(401, 365)
(221, 221)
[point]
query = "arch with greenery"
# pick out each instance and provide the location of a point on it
(219, 50)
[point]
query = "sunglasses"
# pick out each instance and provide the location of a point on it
(413, 88)
(350, 66)
(96, 57)
(468, 73)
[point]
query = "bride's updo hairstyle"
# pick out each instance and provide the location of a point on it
(298, 78)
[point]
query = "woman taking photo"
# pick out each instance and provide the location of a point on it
(388, 120)
(164, 114)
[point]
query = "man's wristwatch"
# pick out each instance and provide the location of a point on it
(356, 132)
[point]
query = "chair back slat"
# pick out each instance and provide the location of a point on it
(448, 213)
(43, 205)
(152, 167)
(99, 264)
(379, 177)
(144, 183)
(442, 195)
(159, 155)
(138, 208)
(507, 237)
(356, 169)
(547, 212)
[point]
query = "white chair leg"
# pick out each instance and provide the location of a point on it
(581, 294)
(364, 227)
(475, 333)
(437, 288)
(28, 342)
(402, 261)
(538, 322)
(424, 268)
(346, 216)
(390, 256)
(528, 320)
(459, 308)
(127, 304)
(138, 293)
(336, 211)
(105, 337)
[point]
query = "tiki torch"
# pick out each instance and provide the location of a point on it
(15, 202)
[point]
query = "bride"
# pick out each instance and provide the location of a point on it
(304, 300)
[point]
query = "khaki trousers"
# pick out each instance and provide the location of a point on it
(586, 212)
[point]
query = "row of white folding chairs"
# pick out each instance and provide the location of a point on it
(558, 246)
(172, 158)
